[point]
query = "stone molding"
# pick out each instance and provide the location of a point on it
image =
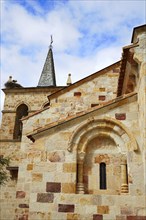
(105, 126)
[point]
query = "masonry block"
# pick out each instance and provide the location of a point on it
(23, 217)
(136, 217)
(65, 208)
(56, 156)
(30, 167)
(68, 188)
(72, 216)
(23, 206)
(120, 116)
(103, 209)
(45, 197)
(121, 217)
(53, 187)
(102, 97)
(97, 217)
(69, 167)
(37, 177)
(77, 94)
(20, 194)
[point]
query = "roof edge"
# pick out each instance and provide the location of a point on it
(82, 80)
(79, 114)
(136, 28)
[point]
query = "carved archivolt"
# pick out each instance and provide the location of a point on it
(25, 103)
(104, 126)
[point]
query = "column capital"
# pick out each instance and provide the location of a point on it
(80, 157)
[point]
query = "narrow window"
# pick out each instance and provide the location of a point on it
(21, 111)
(102, 175)
(13, 172)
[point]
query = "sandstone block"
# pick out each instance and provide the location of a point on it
(120, 116)
(65, 208)
(103, 209)
(45, 197)
(97, 217)
(57, 156)
(37, 177)
(68, 188)
(69, 167)
(136, 217)
(23, 206)
(53, 187)
(102, 158)
(72, 216)
(126, 211)
(30, 167)
(23, 217)
(20, 194)
(121, 217)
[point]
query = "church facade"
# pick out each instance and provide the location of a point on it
(78, 151)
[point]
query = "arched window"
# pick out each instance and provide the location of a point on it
(21, 111)
(102, 171)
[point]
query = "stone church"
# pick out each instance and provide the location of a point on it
(78, 151)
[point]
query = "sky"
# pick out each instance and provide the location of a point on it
(88, 35)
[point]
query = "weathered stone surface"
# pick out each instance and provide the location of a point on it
(69, 167)
(73, 216)
(57, 156)
(97, 217)
(136, 217)
(20, 194)
(23, 206)
(30, 167)
(120, 116)
(102, 158)
(39, 216)
(102, 97)
(37, 177)
(103, 209)
(121, 217)
(65, 208)
(23, 217)
(45, 197)
(53, 187)
(127, 211)
(68, 188)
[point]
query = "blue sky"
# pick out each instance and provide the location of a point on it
(88, 36)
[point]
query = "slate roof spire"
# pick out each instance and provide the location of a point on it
(47, 77)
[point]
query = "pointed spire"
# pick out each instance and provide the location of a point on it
(48, 73)
(69, 82)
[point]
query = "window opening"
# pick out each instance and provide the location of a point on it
(102, 176)
(21, 111)
(13, 172)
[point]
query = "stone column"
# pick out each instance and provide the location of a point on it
(124, 177)
(80, 165)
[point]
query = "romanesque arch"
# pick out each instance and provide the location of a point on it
(21, 111)
(119, 138)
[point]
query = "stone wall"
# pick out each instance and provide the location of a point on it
(48, 190)
(34, 98)
(84, 96)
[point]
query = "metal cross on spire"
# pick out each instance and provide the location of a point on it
(51, 41)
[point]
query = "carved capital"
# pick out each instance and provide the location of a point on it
(81, 156)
